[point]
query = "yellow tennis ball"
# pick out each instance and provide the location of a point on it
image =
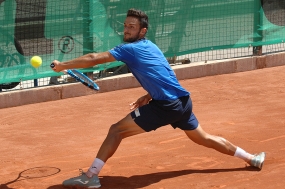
(36, 61)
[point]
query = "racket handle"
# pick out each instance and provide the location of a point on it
(52, 66)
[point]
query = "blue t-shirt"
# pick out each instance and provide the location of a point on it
(148, 64)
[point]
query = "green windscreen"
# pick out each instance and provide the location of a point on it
(66, 29)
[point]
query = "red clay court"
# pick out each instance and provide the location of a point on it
(247, 108)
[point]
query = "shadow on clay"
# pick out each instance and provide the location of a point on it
(141, 181)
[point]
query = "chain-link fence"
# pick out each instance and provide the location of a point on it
(186, 31)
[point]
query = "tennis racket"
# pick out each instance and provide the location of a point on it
(32, 173)
(81, 78)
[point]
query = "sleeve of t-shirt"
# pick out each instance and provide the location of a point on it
(123, 52)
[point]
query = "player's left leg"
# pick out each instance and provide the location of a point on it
(220, 144)
(224, 146)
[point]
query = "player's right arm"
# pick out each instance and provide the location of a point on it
(85, 61)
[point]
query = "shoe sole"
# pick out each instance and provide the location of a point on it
(81, 187)
(262, 160)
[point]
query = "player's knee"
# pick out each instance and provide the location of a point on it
(115, 131)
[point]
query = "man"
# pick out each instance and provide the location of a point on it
(166, 102)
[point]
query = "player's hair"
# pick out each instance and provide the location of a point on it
(140, 15)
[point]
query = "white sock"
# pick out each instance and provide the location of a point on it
(240, 153)
(96, 167)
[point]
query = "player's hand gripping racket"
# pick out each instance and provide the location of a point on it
(80, 77)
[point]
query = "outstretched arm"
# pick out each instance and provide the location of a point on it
(141, 101)
(85, 61)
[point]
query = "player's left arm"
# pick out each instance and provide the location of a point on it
(85, 61)
(141, 101)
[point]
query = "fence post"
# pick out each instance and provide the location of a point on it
(257, 33)
(87, 32)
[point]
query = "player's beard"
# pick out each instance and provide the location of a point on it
(131, 39)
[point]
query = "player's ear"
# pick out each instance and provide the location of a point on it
(143, 31)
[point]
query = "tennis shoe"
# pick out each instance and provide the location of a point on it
(257, 160)
(83, 181)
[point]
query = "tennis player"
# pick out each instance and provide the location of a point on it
(166, 102)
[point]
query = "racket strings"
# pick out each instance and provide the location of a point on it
(83, 79)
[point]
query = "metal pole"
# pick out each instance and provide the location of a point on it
(257, 33)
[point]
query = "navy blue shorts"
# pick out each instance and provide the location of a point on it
(158, 113)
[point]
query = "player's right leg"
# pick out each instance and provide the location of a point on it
(117, 132)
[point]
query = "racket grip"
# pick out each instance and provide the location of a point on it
(52, 65)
